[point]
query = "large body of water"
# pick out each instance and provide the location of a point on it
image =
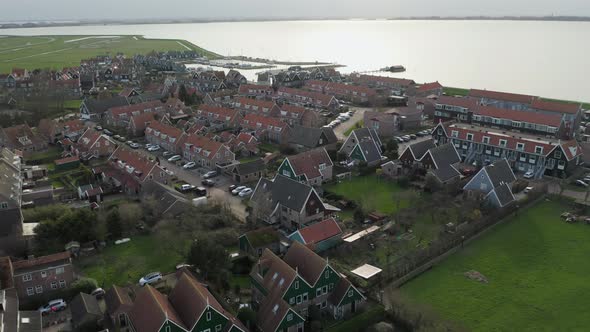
(551, 59)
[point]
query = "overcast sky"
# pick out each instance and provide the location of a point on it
(26, 10)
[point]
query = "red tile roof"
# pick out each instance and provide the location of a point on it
(163, 129)
(497, 95)
(243, 101)
(523, 116)
(140, 121)
(320, 231)
(246, 138)
(28, 263)
(324, 99)
(141, 107)
(246, 88)
(251, 120)
(429, 86)
(457, 101)
(333, 87)
(204, 143)
(66, 160)
(151, 309)
(142, 165)
(221, 111)
(554, 106)
(309, 162)
(382, 79)
(294, 109)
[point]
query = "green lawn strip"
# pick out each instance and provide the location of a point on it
(126, 263)
(241, 280)
(268, 147)
(375, 313)
(373, 193)
(537, 270)
(450, 91)
(356, 126)
(52, 153)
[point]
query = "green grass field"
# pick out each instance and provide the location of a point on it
(538, 273)
(373, 193)
(57, 52)
(126, 263)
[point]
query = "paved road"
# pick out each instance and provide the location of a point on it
(219, 193)
(343, 127)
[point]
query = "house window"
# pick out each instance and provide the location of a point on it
(218, 328)
(538, 149)
(324, 304)
(27, 277)
(286, 173)
(43, 274)
(38, 289)
(454, 133)
(62, 283)
(305, 297)
(503, 143)
(168, 329)
(325, 290)
(30, 291)
(486, 140)
(3, 205)
(299, 299)
(53, 285)
(350, 293)
(557, 155)
(318, 292)
(296, 284)
(331, 286)
(59, 270)
(289, 317)
(292, 300)
(470, 137)
(208, 315)
(520, 146)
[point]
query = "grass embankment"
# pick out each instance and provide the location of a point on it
(56, 52)
(537, 270)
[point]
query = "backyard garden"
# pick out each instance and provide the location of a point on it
(534, 267)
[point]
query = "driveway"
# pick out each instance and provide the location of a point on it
(356, 117)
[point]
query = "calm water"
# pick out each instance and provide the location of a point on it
(551, 59)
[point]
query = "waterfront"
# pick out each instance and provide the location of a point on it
(540, 58)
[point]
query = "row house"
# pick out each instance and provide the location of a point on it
(256, 91)
(39, 276)
(454, 108)
(167, 137)
(20, 74)
(206, 152)
(297, 115)
(524, 152)
(11, 226)
(120, 116)
(267, 128)
(139, 123)
(386, 123)
(23, 138)
(234, 78)
(245, 144)
(524, 121)
(256, 106)
(189, 307)
(54, 130)
(94, 109)
(353, 93)
(307, 98)
(429, 89)
(284, 290)
(129, 170)
(513, 101)
(93, 144)
(571, 113)
(398, 86)
(312, 167)
(287, 202)
(219, 117)
(223, 98)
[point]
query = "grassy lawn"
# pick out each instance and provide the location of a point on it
(53, 152)
(126, 263)
(269, 147)
(537, 270)
(356, 126)
(57, 52)
(373, 193)
(455, 91)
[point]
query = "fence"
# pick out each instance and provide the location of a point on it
(414, 263)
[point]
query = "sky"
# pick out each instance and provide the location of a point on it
(31, 10)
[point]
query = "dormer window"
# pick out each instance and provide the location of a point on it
(454, 133)
(486, 140)
(538, 149)
(470, 137)
(520, 146)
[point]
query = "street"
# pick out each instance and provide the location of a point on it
(340, 129)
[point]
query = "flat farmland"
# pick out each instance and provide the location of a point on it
(56, 52)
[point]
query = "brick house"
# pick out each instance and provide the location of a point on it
(429, 89)
(386, 123)
(267, 128)
(93, 144)
(255, 91)
(307, 98)
(312, 167)
(398, 86)
(353, 93)
(120, 116)
(41, 275)
(219, 117)
(22, 138)
(206, 152)
(167, 137)
(139, 123)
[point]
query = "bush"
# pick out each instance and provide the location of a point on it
(361, 321)
(403, 181)
(248, 317)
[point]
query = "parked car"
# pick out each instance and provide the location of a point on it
(399, 139)
(174, 158)
(107, 132)
(53, 306)
(134, 146)
(237, 190)
(201, 191)
(167, 153)
(183, 265)
(581, 183)
(529, 174)
(150, 278)
(117, 137)
(406, 138)
(189, 165)
(186, 187)
(154, 148)
(412, 136)
(246, 192)
(98, 293)
(527, 190)
(149, 145)
(231, 188)
(208, 183)
(210, 174)
(99, 128)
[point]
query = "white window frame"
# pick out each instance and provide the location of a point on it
(62, 284)
(43, 274)
(59, 270)
(30, 291)
(209, 315)
(27, 277)
(39, 289)
(54, 285)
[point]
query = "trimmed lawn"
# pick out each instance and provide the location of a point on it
(56, 52)
(373, 193)
(455, 91)
(357, 125)
(52, 153)
(126, 263)
(537, 270)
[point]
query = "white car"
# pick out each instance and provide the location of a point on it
(149, 145)
(53, 306)
(189, 165)
(134, 145)
(154, 148)
(246, 192)
(174, 158)
(237, 190)
(529, 175)
(150, 278)
(167, 153)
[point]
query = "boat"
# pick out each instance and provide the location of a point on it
(394, 69)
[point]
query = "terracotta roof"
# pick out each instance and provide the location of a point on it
(15, 132)
(49, 259)
(142, 165)
(156, 126)
(505, 96)
(140, 121)
(246, 88)
(523, 116)
(308, 264)
(309, 162)
(222, 112)
(382, 79)
(324, 99)
(294, 109)
(141, 107)
(429, 86)
(66, 160)
(320, 231)
(571, 149)
(204, 143)
(554, 106)
(246, 138)
(151, 309)
(468, 103)
(117, 298)
(251, 120)
(341, 87)
(278, 276)
(243, 101)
